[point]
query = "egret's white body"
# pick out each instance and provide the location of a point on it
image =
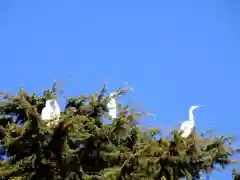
(112, 106)
(51, 111)
(187, 126)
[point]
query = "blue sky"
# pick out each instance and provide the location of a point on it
(173, 53)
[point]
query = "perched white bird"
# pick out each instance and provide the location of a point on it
(187, 126)
(51, 111)
(112, 106)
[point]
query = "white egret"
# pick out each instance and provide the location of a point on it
(51, 111)
(187, 126)
(112, 106)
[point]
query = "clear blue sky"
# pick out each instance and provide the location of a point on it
(174, 53)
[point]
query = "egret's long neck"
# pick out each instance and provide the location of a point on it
(191, 117)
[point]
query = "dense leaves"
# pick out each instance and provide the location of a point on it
(81, 146)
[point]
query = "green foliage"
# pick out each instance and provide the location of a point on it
(81, 147)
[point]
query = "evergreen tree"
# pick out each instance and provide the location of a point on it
(82, 147)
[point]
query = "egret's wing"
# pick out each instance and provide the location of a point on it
(57, 113)
(184, 125)
(113, 113)
(112, 104)
(112, 108)
(186, 128)
(57, 109)
(46, 114)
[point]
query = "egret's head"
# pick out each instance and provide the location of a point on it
(113, 94)
(194, 107)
